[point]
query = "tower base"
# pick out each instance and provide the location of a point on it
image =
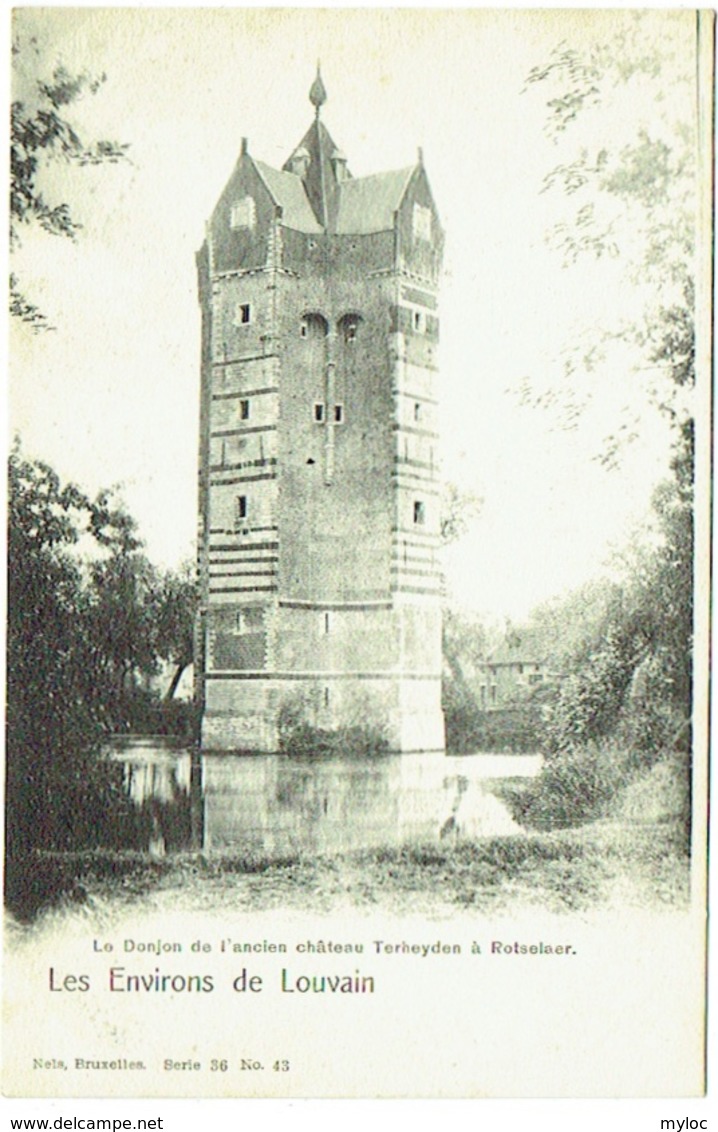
(351, 715)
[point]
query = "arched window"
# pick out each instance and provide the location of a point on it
(313, 325)
(348, 326)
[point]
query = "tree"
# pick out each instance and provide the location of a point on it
(40, 132)
(52, 728)
(87, 613)
(629, 190)
(458, 509)
(621, 111)
(174, 609)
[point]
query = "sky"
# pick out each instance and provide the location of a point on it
(111, 395)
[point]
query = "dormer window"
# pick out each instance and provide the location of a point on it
(421, 223)
(243, 213)
(299, 162)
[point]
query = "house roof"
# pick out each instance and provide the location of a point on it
(523, 650)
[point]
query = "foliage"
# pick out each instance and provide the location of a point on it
(78, 634)
(351, 736)
(173, 613)
(458, 509)
(41, 132)
(53, 728)
(577, 785)
(352, 741)
(514, 730)
(628, 187)
(620, 111)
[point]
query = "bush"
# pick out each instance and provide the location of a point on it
(515, 729)
(145, 713)
(303, 739)
(575, 786)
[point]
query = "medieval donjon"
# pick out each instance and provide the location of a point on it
(319, 499)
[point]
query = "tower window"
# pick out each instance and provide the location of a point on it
(240, 508)
(239, 621)
(419, 512)
(243, 315)
(348, 326)
(417, 411)
(419, 322)
(421, 223)
(338, 414)
(244, 409)
(313, 325)
(326, 697)
(243, 214)
(319, 412)
(326, 623)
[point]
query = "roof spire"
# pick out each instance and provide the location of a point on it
(317, 93)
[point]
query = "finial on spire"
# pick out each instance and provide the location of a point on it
(317, 93)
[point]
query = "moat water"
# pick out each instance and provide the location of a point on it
(274, 804)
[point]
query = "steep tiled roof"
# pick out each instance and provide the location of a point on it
(368, 204)
(287, 190)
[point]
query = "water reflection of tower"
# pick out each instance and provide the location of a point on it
(318, 451)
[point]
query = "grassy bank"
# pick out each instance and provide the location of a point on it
(565, 870)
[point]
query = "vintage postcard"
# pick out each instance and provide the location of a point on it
(358, 590)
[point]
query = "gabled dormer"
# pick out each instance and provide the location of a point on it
(253, 199)
(319, 162)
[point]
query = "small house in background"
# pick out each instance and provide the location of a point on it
(511, 672)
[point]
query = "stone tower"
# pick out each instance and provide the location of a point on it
(319, 498)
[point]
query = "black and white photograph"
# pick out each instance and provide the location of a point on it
(358, 553)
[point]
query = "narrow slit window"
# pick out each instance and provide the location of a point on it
(326, 697)
(244, 409)
(319, 412)
(419, 322)
(241, 508)
(338, 414)
(417, 411)
(239, 621)
(419, 512)
(326, 623)
(244, 314)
